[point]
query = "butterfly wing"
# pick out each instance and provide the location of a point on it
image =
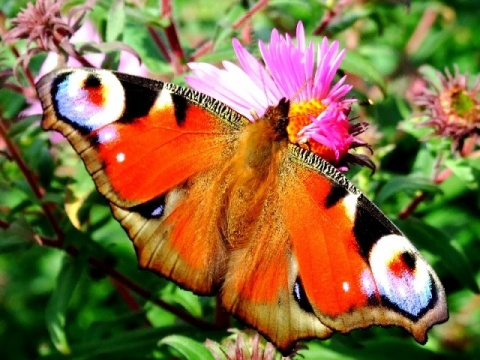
(325, 260)
(261, 274)
(135, 137)
(355, 267)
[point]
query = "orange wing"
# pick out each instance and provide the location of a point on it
(152, 149)
(355, 267)
(323, 259)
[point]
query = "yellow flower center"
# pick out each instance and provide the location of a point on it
(299, 116)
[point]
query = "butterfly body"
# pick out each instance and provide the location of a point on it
(222, 205)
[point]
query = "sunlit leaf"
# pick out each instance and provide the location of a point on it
(468, 170)
(189, 349)
(115, 21)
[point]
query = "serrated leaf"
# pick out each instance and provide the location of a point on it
(115, 21)
(55, 313)
(437, 243)
(188, 348)
(405, 183)
(356, 64)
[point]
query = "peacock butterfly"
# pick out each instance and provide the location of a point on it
(221, 205)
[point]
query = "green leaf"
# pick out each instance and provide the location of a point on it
(55, 312)
(431, 75)
(432, 43)
(115, 21)
(188, 300)
(437, 243)
(20, 127)
(411, 125)
(11, 102)
(405, 183)
(18, 235)
(45, 166)
(132, 344)
(58, 199)
(350, 18)
(356, 64)
(188, 348)
(467, 170)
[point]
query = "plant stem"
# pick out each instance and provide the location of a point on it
(177, 60)
(31, 180)
(329, 15)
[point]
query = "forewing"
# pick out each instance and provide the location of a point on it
(152, 149)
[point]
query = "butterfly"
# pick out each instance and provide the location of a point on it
(221, 205)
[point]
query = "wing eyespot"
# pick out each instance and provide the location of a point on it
(88, 100)
(152, 209)
(300, 296)
(403, 278)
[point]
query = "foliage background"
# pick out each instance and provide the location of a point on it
(85, 298)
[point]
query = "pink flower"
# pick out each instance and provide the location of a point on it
(300, 72)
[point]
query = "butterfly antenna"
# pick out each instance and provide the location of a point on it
(304, 85)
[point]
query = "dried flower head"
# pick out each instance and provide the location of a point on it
(452, 107)
(244, 346)
(44, 27)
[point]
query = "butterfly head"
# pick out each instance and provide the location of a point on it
(293, 119)
(278, 119)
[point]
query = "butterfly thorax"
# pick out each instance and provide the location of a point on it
(253, 172)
